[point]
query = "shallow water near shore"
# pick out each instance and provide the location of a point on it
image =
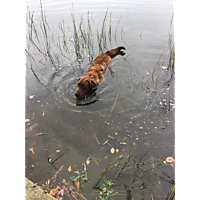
(132, 110)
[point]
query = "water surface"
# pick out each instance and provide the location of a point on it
(135, 100)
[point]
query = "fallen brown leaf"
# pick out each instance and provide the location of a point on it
(31, 97)
(32, 150)
(169, 160)
(88, 161)
(54, 191)
(69, 168)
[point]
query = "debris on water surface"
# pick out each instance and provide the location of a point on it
(32, 150)
(124, 143)
(31, 96)
(88, 161)
(69, 168)
(112, 150)
(168, 160)
(54, 191)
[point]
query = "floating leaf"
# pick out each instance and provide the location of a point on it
(164, 67)
(169, 159)
(54, 191)
(27, 120)
(116, 133)
(112, 150)
(124, 143)
(117, 150)
(31, 97)
(32, 150)
(69, 168)
(88, 161)
(43, 114)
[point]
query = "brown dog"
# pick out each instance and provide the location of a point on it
(95, 72)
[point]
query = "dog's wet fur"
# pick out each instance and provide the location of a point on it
(96, 72)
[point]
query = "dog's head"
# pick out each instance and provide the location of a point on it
(85, 84)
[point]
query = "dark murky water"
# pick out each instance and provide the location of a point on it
(136, 99)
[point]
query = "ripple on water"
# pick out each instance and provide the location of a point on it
(110, 92)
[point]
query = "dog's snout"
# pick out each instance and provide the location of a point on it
(76, 94)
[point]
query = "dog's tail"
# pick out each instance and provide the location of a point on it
(112, 52)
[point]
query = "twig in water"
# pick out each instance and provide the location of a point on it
(116, 98)
(94, 159)
(54, 177)
(60, 156)
(96, 138)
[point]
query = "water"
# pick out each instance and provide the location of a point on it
(128, 106)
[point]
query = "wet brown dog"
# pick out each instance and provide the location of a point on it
(95, 72)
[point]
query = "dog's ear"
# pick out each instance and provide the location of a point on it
(80, 78)
(92, 84)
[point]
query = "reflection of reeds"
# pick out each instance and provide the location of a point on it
(102, 35)
(152, 81)
(83, 38)
(46, 50)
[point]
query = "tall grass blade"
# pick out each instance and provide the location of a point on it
(170, 193)
(124, 165)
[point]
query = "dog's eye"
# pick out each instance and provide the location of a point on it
(82, 84)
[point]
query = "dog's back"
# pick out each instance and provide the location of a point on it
(96, 71)
(105, 59)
